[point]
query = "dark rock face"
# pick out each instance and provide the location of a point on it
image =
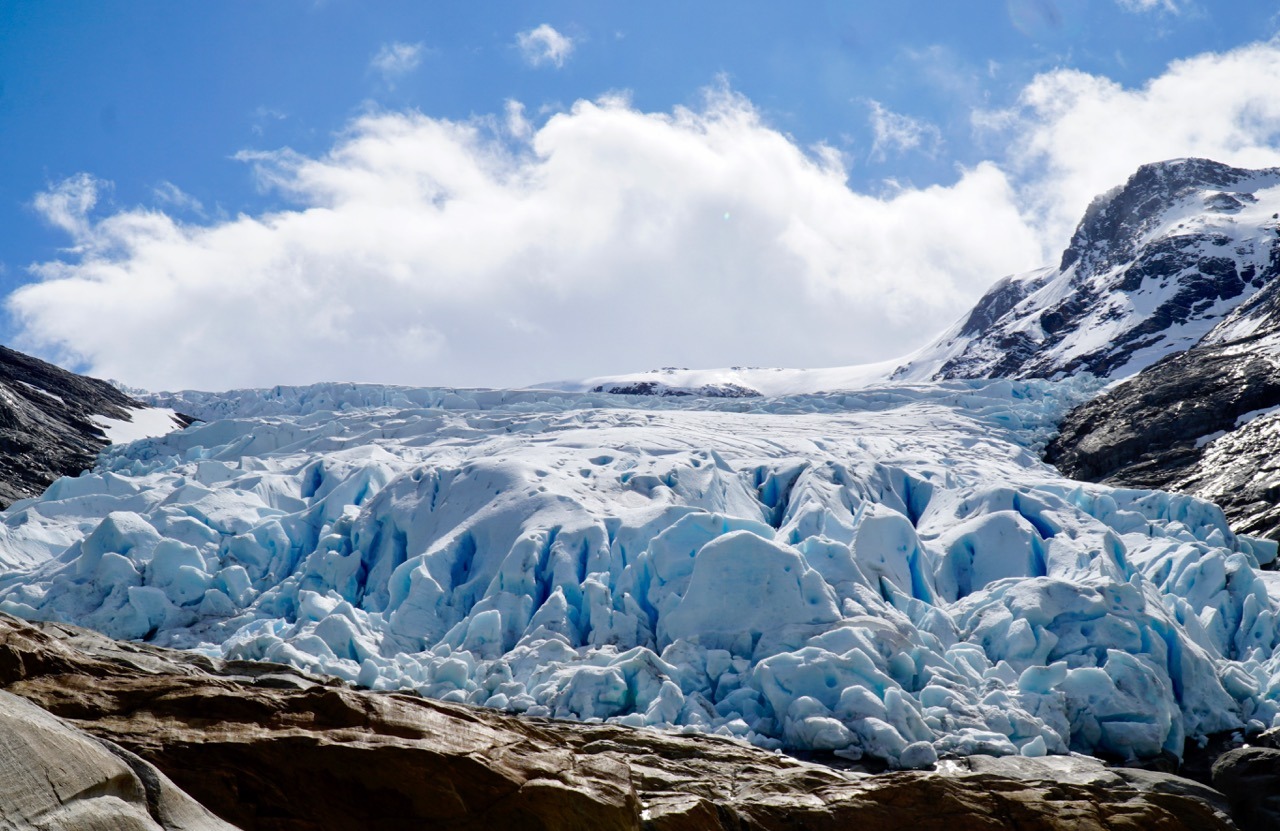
(1241, 472)
(664, 390)
(1143, 433)
(999, 300)
(265, 747)
(1250, 779)
(46, 426)
(1114, 223)
(1156, 430)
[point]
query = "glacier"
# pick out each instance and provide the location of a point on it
(887, 573)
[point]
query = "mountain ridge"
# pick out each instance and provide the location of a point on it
(1183, 247)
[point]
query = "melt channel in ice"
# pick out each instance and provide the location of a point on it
(890, 572)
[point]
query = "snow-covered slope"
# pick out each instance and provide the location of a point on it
(890, 572)
(1185, 250)
(140, 423)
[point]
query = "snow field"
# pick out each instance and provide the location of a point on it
(888, 573)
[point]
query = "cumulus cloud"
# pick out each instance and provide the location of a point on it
(897, 133)
(1074, 135)
(396, 59)
(499, 251)
(544, 45)
(432, 251)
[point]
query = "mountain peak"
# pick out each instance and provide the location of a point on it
(1114, 222)
(1184, 248)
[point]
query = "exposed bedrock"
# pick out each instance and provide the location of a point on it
(46, 423)
(1250, 779)
(54, 776)
(266, 747)
(1196, 422)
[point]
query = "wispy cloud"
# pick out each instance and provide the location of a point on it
(1170, 6)
(394, 60)
(66, 205)
(174, 197)
(263, 116)
(544, 45)
(516, 122)
(897, 133)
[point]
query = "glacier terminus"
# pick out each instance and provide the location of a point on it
(889, 573)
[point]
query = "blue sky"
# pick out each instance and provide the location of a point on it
(125, 123)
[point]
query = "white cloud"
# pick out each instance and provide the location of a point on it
(396, 59)
(167, 193)
(431, 251)
(502, 251)
(1075, 135)
(897, 133)
(66, 205)
(1149, 5)
(544, 45)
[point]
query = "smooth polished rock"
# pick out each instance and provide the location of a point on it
(54, 777)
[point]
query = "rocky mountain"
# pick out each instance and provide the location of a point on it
(101, 734)
(54, 423)
(1186, 252)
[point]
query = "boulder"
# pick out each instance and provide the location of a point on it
(1250, 779)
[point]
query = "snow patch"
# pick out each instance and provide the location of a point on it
(143, 423)
(1209, 437)
(1244, 419)
(43, 392)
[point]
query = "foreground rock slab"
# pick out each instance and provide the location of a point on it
(53, 776)
(265, 747)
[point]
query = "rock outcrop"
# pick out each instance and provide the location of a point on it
(53, 776)
(266, 747)
(1250, 779)
(1202, 422)
(47, 423)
